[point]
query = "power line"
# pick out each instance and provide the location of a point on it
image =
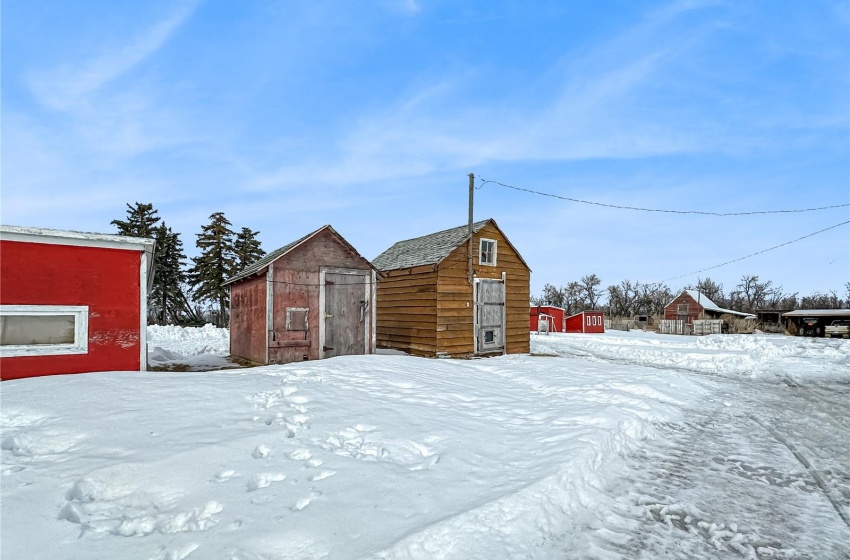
(664, 211)
(758, 252)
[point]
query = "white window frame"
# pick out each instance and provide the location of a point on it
(481, 251)
(81, 330)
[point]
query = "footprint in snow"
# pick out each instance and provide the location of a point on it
(300, 455)
(304, 502)
(322, 475)
(262, 451)
(225, 475)
(264, 480)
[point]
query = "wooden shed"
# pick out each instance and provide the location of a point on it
(552, 316)
(72, 302)
(428, 307)
(313, 298)
(586, 322)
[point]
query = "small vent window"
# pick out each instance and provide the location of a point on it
(488, 252)
(297, 319)
(489, 337)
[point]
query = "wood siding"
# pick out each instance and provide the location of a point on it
(407, 311)
(694, 308)
(248, 319)
(455, 306)
(429, 312)
(295, 284)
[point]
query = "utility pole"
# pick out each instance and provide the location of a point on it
(469, 255)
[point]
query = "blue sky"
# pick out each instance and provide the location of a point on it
(369, 116)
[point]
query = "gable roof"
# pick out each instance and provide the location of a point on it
(432, 248)
(259, 265)
(709, 305)
(428, 249)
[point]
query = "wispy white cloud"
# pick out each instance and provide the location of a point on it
(588, 116)
(68, 86)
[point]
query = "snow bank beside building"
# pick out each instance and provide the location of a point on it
(204, 347)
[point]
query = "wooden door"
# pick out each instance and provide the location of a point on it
(489, 316)
(346, 313)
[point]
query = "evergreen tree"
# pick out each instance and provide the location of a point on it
(214, 265)
(167, 300)
(247, 248)
(141, 221)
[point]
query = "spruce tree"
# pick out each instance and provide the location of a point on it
(247, 248)
(214, 265)
(141, 221)
(167, 299)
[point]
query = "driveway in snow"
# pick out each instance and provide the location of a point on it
(759, 467)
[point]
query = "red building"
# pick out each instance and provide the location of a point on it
(72, 302)
(691, 305)
(313, 298)
(586, 322)
(554, 317)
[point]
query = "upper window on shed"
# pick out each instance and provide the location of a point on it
(296, 319)
(39, 330)
(488, 252)
(682, 309)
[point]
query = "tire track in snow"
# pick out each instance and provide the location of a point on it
(802, 459)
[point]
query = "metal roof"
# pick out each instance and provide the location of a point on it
(58, 236)
(428, 249)
(709, 305)
(818, 313)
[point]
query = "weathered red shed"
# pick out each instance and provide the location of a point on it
(586, 322)
(72, 302)
(692, 304)
(554, 317)
(313, 298)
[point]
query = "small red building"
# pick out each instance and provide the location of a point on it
(586, 322)
(313, 298)
(691, 305)
(72, 302)
(554, 317)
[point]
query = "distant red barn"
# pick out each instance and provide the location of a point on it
(554, 317)
(72, 302)
(313, 298)
(586, 322)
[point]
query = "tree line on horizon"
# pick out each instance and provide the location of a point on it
(629, 298)
(191, 292)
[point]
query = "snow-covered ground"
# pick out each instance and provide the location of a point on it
(625, 445)
(199, 349)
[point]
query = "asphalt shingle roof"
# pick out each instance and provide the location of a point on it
(428, 249)
(257, 266)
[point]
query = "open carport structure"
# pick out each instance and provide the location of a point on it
(811, 322)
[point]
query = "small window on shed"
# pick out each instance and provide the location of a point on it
(682, 309)
(488, 252)
(587, 319)
(296, 319)
(489, 337)
(37, 330)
